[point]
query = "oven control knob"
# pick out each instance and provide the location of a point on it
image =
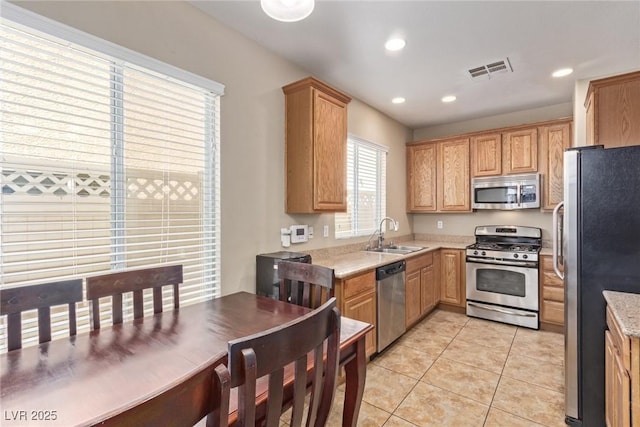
(515, 255)
(525, 256)
(475, 252)
(483, 253)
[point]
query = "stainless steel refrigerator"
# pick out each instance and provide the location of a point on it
(599, 234)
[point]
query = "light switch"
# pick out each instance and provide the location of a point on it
(325, 231)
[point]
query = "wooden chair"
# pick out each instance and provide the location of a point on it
(305, 284)
(117, 284)
(270, 353)
(14, 301)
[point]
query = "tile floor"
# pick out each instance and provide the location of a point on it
(453, 370)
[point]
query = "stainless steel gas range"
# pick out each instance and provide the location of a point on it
(502, 274)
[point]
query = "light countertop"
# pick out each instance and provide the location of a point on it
(626, 309)
(346, 265)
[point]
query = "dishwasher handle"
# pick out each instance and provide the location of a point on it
(390, 270)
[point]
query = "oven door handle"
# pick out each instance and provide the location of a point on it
(524, 264)
(501, 310)
(556, 243)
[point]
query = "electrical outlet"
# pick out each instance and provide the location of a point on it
(440, 225)
(325, 231)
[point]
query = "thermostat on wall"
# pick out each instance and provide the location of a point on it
(299, 233)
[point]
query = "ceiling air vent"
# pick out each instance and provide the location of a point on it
(488, 70)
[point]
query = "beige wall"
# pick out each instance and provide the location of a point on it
(252, 120)
(492, 122)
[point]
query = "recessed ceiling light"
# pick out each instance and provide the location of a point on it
(448, 98)
(288, 10)
(562, 72)
(398, 100)
(395, 44)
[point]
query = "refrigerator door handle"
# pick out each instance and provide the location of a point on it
(555, 238)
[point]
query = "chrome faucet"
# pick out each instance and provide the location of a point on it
(381, 233)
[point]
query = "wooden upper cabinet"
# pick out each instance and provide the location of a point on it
(453, 180)
(315, 147)
(486, 155)
(421, 178)
(520, 151)
(438, 176)
(553, 139)
(613, 108)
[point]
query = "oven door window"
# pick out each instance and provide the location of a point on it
(507, 194)
(503, 282)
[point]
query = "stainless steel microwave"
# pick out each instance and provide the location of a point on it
(506, 192)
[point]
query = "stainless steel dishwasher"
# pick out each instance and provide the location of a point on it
(390, 301)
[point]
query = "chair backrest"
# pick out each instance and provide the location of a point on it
(268, 353)
(305, 284)
(41, 297)
(136, 281)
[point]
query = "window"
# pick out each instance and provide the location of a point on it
(366, 189)
(105, 164)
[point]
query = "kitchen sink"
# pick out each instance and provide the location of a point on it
(397, 249)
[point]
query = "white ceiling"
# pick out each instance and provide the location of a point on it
(342, 42)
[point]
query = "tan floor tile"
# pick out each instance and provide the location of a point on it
(425, 340)
(397, 422)
(448, 316)
(369, 415)
(486, 336)
(441, 327)
(405, 360)
(427, 405)
(385, 389)
(468, 381)
(475, 323)
(498, 418)
(530, 401)
(490, 359)
(535, 371)
(541, 345)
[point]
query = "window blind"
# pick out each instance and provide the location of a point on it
(105, 165)
(366, 189)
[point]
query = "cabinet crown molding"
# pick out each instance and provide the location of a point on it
(494, 130)
(316, 84)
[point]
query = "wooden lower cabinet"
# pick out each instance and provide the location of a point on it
(452, 278)
(622, 376)
(551, 295)
(420, 287)
(412, 297)
(357, 300)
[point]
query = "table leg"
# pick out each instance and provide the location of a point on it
(355, 373)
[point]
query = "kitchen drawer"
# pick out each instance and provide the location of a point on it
(359, 284)
(621, 342)
(420, 261)
(547, 262)
(550, 278)
(552, 311)
(553, 293)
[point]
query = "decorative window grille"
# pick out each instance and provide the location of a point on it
(105, 164)
(366, 189)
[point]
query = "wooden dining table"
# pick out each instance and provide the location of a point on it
(112, 375)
